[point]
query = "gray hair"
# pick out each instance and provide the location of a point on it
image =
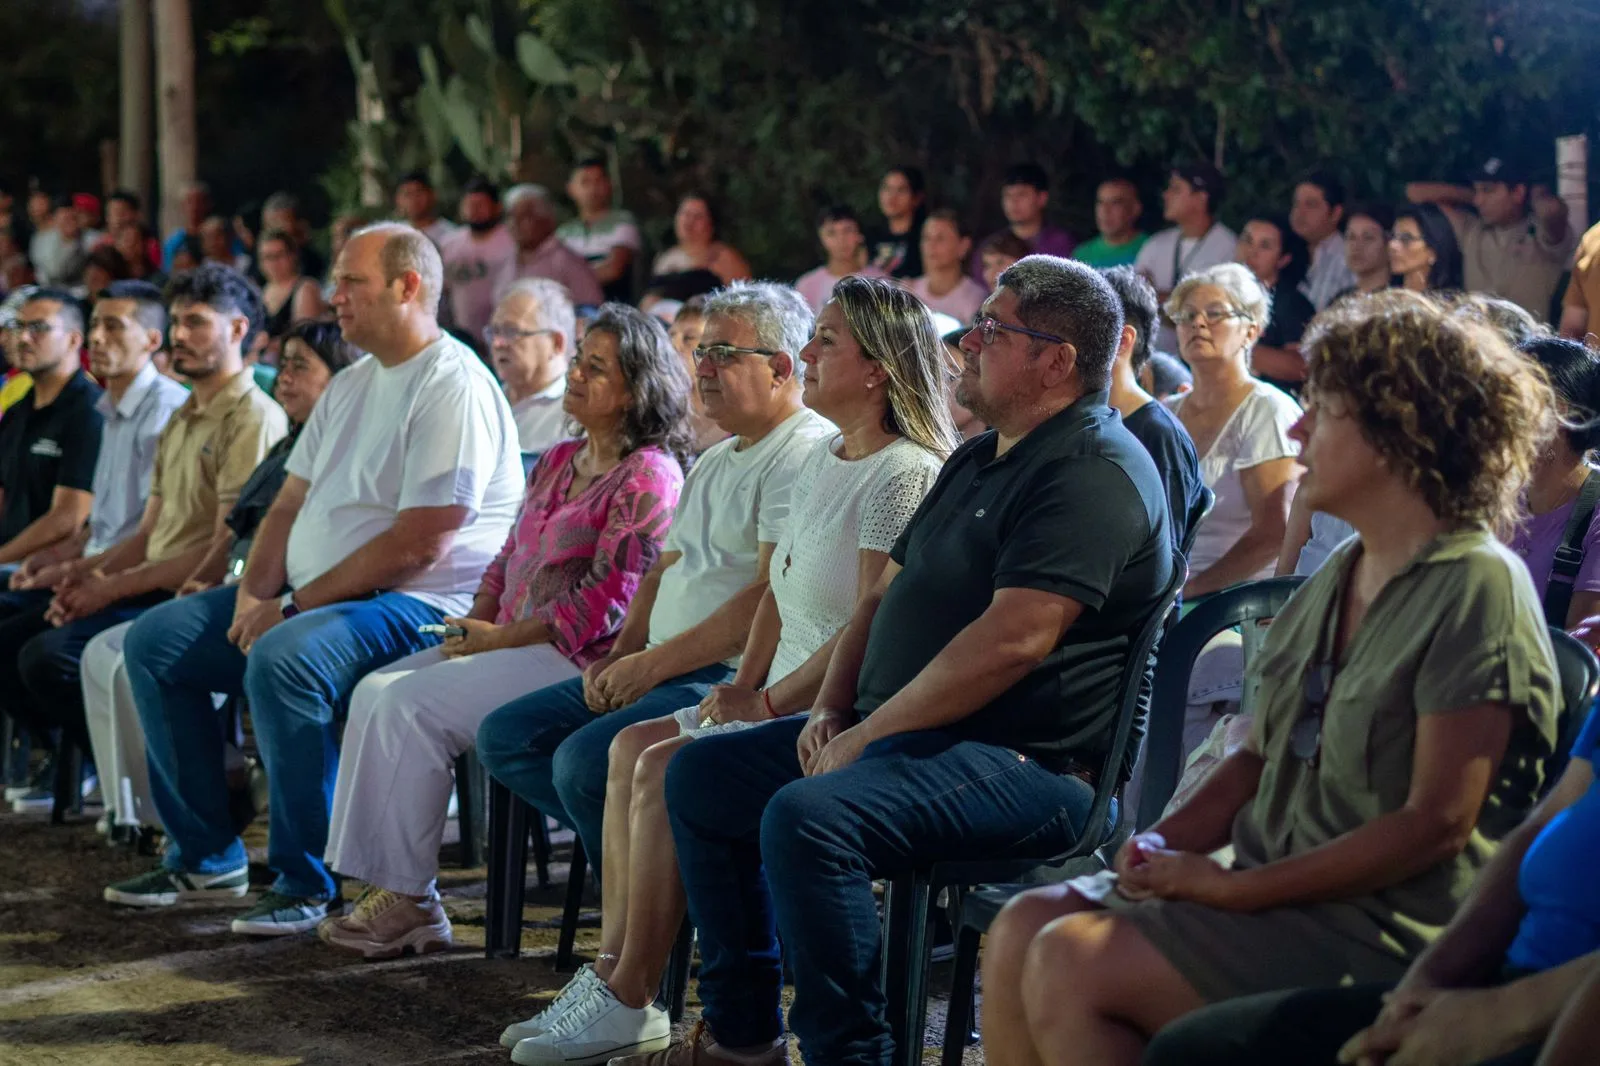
(1074, 302)
(552, 303)
(281, 201)
(538, 193)
(407, 249)
(1245, 292)
(780, 316)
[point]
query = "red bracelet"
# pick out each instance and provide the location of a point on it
(766, 698)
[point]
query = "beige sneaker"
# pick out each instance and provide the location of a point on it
(699, 1048)
(386, 925)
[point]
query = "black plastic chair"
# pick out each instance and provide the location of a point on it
(1580, 682)
(905, 937)
(1163, 748)
(508, 834)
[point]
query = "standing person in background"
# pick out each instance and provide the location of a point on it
(897, 248)
(698, 247)
(1318, 215)
(943, 287)
(476, 257)
(1583, 290)
(530, 341)
(1518, 243)
(839, 230)
(1116, 216)
(1423, 253)
(1277, 257)
(1024, 195)
(605, 235)
(531, 218)
(418, 206)
(1196, 241)
(1366, 247)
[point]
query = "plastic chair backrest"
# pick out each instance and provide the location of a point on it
(1208, 500)
(1134, 691)
(1163, 757)
(529, 461)
(1580, 681)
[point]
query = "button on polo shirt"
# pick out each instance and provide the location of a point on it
(43, 448)
(1075, 508)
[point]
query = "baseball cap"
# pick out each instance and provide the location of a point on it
(1204, 177)
(86, 202)
(1503, 169)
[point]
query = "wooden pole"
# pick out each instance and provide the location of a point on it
(174, 107)
(136, 163)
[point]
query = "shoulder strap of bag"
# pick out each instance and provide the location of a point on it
(1569, 554)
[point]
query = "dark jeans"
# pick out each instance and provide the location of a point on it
(763, 850)
(21, 619)
(43, 672)
(298, 678)
(1306, 1027)
(550, 749)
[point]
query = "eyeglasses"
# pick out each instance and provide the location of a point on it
(1208, 315)
(1405, 239)
(988, 326)
(720, 355)
(1305, 738)
(34, 329)
(510, 334)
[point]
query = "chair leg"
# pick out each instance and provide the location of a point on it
(541, 848)
(574, 905)
(508, 867)
(68, 785)
(675, 981)
(905, 965)
(958, 1030)
(469, 798)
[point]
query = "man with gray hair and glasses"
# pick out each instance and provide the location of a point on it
(399, 492)
(968, 707)
(531, 218)
(531, 339)
(688, 621)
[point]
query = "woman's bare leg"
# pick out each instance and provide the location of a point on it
(1006, 1040)
(1095, 991)
(626, 748)
(654, 917)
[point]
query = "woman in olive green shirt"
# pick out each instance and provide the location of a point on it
(1408, 697)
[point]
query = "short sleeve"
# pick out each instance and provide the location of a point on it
(1264, 428)
(80, 450)
(1050, 548)
(303, 457)
(452, 448)
(1589, 572)
(1146, 259)
(776, 494)
(627, 235)
(1574, 296)
(889, 507)
(1480, 651)
(253, 428)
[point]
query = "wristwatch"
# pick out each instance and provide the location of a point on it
(288, 605)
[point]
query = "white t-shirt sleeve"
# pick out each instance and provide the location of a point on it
(303, 456)
(893, 501)
(627, 236)
(452, 448)
(775, 494)
(1265, 425)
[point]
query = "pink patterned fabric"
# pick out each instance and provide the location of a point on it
(575, 564)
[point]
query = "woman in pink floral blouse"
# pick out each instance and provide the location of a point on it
(592, 524)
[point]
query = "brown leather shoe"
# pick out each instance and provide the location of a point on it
(385, 925)
(700, 1048)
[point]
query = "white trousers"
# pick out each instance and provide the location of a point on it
(114, 730)
(408, 723)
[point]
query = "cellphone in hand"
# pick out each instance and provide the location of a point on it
(442, 630)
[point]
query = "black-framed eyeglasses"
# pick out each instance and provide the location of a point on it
(1305, 738)
(510, 334)
(720, 355)
(988, 325)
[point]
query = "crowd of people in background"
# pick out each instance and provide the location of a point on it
(768, 590)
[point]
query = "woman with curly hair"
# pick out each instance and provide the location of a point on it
(592, 523)
(1407, 699)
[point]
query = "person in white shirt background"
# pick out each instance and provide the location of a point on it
(531, 340)
(399, 492)
(1195, 241)
(1318, 216)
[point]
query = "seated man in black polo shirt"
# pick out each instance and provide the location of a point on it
(967, 703)
(49, 442)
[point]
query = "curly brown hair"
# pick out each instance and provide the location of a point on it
(1453, 410)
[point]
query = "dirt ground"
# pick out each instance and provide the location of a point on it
(86, 983)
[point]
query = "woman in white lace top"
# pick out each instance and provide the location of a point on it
(876, 369)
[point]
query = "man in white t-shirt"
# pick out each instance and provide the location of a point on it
(530, 343)
(605, 235)
(689, 620)
(399, 492)
(476, 257)
(1195, 241)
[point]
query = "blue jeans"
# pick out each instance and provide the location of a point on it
(549, 748)
(298, 678)
(763, 850)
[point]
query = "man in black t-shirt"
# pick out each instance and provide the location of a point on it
(968, 704)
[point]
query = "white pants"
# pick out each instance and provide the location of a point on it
(408, 723)
(114, 730)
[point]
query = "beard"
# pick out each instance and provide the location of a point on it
(481, 228)
(194, 366)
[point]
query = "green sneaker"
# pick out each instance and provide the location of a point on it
(162, 887)
(278, 915)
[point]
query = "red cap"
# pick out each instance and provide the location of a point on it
(86, 202)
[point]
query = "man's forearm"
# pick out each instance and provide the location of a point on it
(384, 562)
(1574, 991)
(46, 531)
(61, 551)
(635, 632)
(264, 572)
(122, 555)
(169, 574)
(719, 636)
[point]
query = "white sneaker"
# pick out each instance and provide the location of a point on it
(575, 990)
(595, 1030)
